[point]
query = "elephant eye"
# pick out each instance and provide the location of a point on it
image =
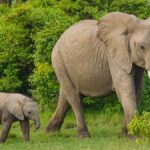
(29, 112)
(142, 47)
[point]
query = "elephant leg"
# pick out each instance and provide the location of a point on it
(6, 128)
(125, 88)
(72, 96)
(60, 113)
(0, 117)
(76, 105)
(138, 80)
(130, 107)
(25, 127)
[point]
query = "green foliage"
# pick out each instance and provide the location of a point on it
(145, 103)
(28, 33)
(106, 105)
(140, 8)
(140, 126)
(44, 85)
(14, 59)
(3, 9)
(55, 24)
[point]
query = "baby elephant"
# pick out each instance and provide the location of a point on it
(17, 107)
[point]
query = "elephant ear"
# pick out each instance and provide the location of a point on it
(14, 105)
(114, 30)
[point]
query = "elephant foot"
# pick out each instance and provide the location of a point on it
(26, 139)
(53, 127)
(124, 131)
(83, 134)
(130, 137)
(1, 141)
(125, 134)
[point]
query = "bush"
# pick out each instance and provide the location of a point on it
(145, 98)
(55, 23)
(140, 8)
(108, 105)
(15, 61)
(140, 126)
(44, 85)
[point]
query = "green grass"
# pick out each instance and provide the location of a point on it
(104, 130)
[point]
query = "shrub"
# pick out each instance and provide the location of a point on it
(14, 59)
(140, 8)
(44, 85)
(140, 126)
(145, 98)
(56, 21)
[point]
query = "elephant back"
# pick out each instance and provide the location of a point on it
(3, 98)
(17, 97)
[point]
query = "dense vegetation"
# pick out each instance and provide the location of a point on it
(28, 32)
(140, 126)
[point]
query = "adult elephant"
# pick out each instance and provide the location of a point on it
(94, 58)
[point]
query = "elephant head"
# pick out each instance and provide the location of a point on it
(22, 106)
(30, 110)
(128, 40)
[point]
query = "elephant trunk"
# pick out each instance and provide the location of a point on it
(37, 123)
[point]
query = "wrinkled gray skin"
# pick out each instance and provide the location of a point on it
(17, 107)
(94, 58)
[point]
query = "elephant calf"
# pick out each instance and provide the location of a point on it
(17, 107)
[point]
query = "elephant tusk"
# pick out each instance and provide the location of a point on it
(149, 74)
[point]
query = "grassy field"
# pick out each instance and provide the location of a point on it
(104, 130)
